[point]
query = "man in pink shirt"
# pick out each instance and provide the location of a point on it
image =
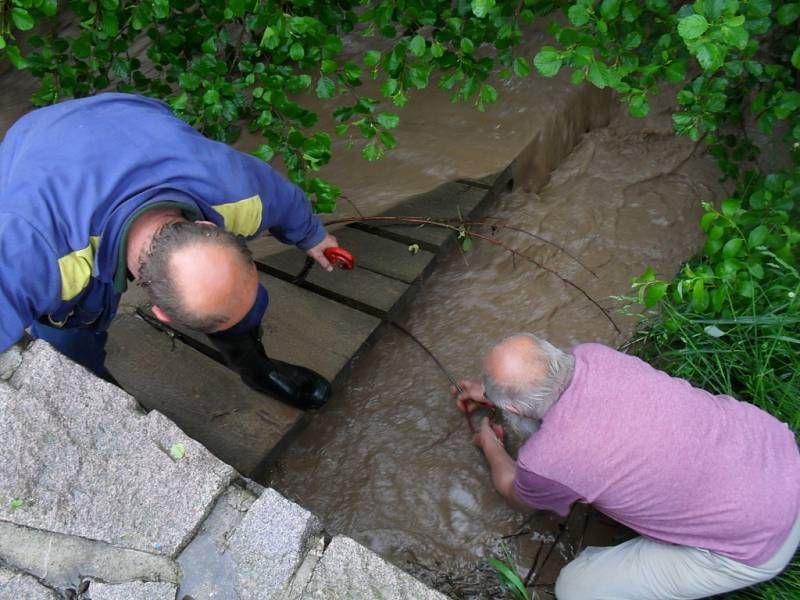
(711, 484)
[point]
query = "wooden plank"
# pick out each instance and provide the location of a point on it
(372, 252)
(307, 329)
(208, 401)
(361, 289)
(304, 328)
(385, 256)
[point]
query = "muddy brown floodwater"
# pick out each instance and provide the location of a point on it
(389, 462)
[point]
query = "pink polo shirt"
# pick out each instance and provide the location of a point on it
(670, 461)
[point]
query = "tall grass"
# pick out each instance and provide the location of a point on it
(752, 354)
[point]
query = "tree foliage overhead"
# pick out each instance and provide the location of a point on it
(224, 64)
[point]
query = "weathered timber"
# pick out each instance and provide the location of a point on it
(307, 329)
(380, 283)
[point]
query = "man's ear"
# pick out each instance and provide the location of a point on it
(160, 314)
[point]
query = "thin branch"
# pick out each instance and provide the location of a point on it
(480, 236)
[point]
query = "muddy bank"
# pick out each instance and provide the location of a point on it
(389, 462)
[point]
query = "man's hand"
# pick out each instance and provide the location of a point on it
(317, 252)
(489, 434)
(471, 396)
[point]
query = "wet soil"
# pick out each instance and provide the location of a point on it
(389, 462)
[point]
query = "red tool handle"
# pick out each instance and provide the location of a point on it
(340, 257)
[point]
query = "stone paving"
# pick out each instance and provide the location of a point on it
(102, 501)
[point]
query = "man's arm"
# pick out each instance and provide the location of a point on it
(519, 486)
(501, 465)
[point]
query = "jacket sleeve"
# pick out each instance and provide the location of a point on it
(288, 214)
(249, 195)
(29, 279)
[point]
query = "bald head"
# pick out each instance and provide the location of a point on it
(199, 275)
(524, 375)
(517, 361)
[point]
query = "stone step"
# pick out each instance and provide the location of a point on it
(205, 399)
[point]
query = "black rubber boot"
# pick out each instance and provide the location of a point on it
(298, 386)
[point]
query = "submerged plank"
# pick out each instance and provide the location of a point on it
(205, 399)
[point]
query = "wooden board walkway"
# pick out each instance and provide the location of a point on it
(322, 322)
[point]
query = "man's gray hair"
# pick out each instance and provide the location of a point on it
(532, 401)
(156, 278)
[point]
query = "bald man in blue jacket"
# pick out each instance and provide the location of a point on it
(100, 191)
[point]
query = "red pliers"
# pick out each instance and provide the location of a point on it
(339, 257)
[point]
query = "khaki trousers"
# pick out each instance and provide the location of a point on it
(645, 569)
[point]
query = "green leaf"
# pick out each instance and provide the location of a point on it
(211, 96)
(712, 247)
(372, 151)
(547, 61)
(389, 87)
(578, 15)
(692, 27)
(598, 75)
(654, 293)
(758, 236)
(326, 88)
(387, 139)
(480, 8)
(756, 270)
(509, 578)
(796, 58)
(716, 233)
(488, 94)
(710, 56)
(466, 244)
(372, 58)
(296, 51)
(735, 36)
(639, 106)
(467, 46)
(788, 13)
(2, 42)
(730, 207)
(177, 451)
(746, 288)
(161, 8)
(388, 120)
(16, 503)
(609, 9)
(16, 58)
(49, 7)
(699, 296)
(522, 67)
(732, 247)
(22, 19)
(417, 45)
(708, 220)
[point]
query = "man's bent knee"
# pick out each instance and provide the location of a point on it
(572, 583)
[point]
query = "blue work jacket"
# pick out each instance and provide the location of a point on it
(73, 176)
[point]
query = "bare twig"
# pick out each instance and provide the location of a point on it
(458, 229)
